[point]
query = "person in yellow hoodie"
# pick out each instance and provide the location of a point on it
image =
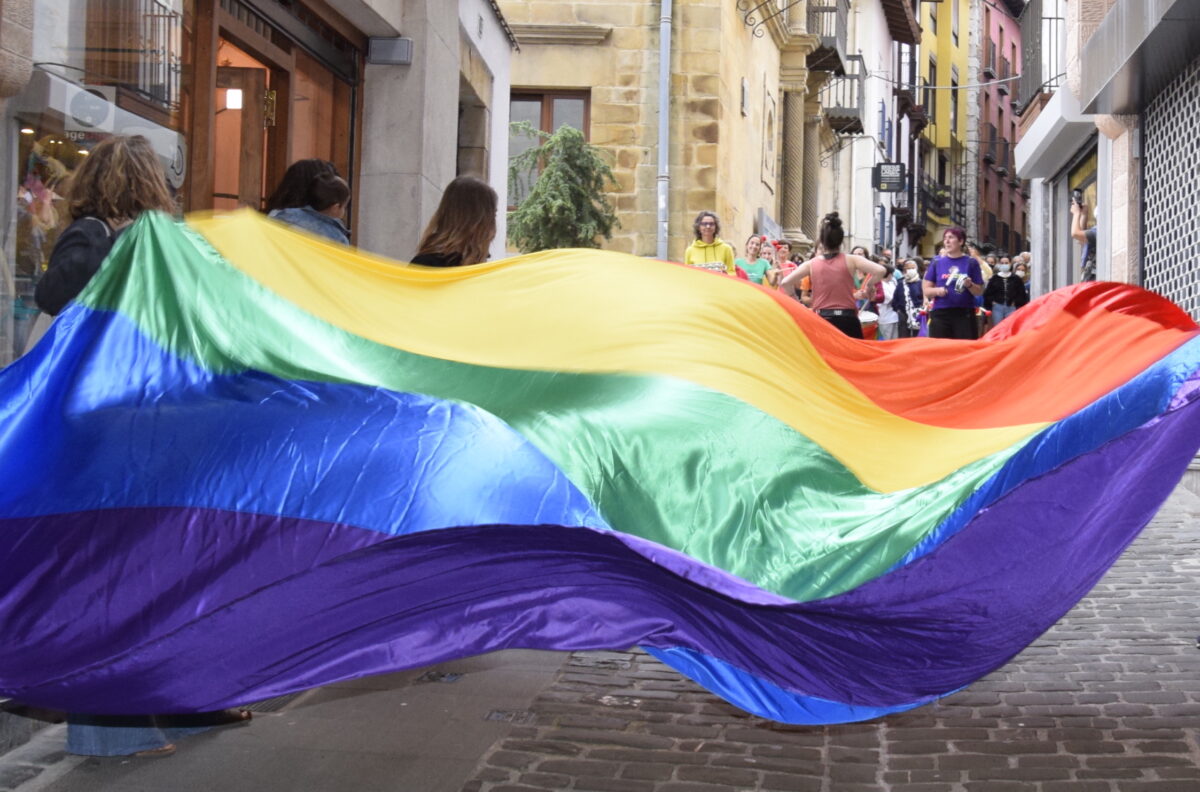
(707, 251)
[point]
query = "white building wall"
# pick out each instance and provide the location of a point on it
(870, 38)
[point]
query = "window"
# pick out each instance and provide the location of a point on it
(954, 99)
(954, 20)
(932, 90)
(546, 111)
(932, 18)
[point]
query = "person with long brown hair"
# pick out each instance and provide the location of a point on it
(462, 227)
(117, 181)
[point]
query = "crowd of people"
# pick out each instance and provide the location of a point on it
(959, 293)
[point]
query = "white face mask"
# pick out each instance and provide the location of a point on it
(910, 275)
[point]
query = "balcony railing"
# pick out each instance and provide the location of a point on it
(1003, 157)
(906, 87)
(842, 97)
(935, 197)
(990, 227)
(988, 144)
(989, 59)
(901, 210)
(136, 45)
(828, 21)
(1043, 56)
(1004, 74)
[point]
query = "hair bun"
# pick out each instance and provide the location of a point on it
(833, 220)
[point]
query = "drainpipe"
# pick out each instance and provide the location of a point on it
(664, 126)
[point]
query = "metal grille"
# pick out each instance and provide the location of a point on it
(1172, 129)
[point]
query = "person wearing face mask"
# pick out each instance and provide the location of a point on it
(908, 299)
(1005, 292)
(1023, 271)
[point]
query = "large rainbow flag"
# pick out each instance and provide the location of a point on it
(247, 462)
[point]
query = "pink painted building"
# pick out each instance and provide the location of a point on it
(1003, 221)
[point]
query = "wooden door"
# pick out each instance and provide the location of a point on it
(249, 149)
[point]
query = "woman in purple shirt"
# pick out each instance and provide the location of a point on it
(952, 282)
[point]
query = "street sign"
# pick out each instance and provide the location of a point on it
(888, 177)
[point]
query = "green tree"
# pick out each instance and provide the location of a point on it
(566, 206)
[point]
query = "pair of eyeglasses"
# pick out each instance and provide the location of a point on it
(708, 224)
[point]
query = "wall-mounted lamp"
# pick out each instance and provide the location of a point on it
(233, 99)
(26, 131)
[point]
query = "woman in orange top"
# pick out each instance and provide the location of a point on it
(833, 290)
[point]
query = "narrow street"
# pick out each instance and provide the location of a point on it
(1107, 701)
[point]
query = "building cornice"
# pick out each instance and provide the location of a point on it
(579, 34)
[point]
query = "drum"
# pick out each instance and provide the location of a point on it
(870, 324)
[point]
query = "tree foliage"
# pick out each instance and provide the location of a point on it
(566, 206)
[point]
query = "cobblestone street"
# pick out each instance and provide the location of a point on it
(1106, 701)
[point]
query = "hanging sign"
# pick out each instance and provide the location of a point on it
(888, 177)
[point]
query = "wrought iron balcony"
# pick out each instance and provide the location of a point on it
(1003, 157)
(988, 144)
(1043, 59)
(989, 59)
(842, 98)
(828, 20)
(935, 197)
(1005, 73)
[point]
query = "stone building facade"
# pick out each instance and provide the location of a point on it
(737, 113)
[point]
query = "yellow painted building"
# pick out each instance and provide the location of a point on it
(943, 157)
(737, 110)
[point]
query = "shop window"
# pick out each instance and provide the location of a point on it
(103, 67)
(546, 111)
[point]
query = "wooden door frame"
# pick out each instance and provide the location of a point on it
(212, 24)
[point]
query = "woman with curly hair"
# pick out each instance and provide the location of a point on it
(707, 250)
(117, 181)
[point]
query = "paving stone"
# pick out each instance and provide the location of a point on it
(650, 757)
(579, 767)
(542, 747)
(514, 759)
(613, 785)
(544, 780)
(606, 737)
(649, 772)
(718, 775)
(778, 782)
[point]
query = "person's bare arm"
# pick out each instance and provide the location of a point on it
(788, 284)
(1078, 232)
(931, 290)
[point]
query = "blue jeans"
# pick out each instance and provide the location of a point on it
(1000, 312)
(106, 735)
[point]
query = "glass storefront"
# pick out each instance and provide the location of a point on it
(279, 86)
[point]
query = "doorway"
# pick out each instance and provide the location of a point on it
(243, 127)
